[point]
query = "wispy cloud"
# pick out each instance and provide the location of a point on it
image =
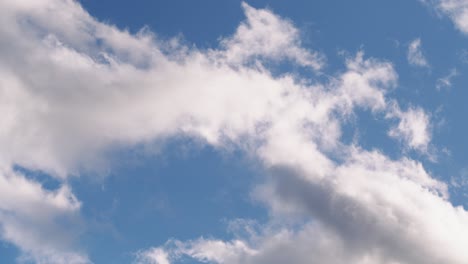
(415, 54)
(446, 81)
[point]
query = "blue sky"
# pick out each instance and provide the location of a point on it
(233, 132)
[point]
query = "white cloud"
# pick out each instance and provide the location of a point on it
(42, 223)
(68, 97)
(268, 36)
(446, 81)
(456, 10)
(369, 210)
(154, 256)
(415, 54)
(413, 128)
(75, 88)
(204, 250)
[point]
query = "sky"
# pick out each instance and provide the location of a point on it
(233, 132)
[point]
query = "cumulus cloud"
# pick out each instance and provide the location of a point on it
(371, 210)
(42, 223)
(67, 96)
(74, 89)
(415, 54)
(265, 35)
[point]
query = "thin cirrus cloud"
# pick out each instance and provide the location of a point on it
(446, 82)
(75, 88)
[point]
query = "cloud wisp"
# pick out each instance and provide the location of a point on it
(415, 54)
(446, 82)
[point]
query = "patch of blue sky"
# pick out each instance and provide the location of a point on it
(188, 192)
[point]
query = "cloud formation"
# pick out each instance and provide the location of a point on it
(267, 36)
(413, 128)
(42, 223)
(455, 10)
(74, 89)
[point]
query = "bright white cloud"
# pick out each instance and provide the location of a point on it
(154, 256)
(204, 250)
(413, 128)
(68, 97)
(75, 88)
(42, 223)
(265, 35)
(372, 210)
(415, 54)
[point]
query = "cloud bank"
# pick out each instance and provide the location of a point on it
(74, 89)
